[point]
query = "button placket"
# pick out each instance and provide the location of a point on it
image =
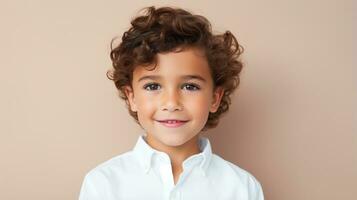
(175, 195)
(166, 175)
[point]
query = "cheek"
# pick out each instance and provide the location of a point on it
(145, 104)
(199, 104)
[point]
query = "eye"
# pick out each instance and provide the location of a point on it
(192, 86)
(151, 86)
(154, 86)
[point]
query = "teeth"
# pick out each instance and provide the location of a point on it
(172, 121)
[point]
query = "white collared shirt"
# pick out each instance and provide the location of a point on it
(146, 174)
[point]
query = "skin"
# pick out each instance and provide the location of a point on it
(172, 97)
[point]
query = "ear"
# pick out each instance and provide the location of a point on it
(216, 100)
(129, 92)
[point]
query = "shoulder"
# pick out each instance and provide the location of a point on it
(97, 181)
(229, 167)
(237, 175)
(111, 167)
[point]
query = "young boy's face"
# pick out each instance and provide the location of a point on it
(169, 93)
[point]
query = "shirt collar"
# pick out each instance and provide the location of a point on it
(144, 153)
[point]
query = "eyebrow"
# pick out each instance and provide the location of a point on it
(185, 77)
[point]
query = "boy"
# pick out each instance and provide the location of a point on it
(176, 78)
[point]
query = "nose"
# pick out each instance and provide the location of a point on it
(171, 100)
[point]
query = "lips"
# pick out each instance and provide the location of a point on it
(172, 120)
(172, 123)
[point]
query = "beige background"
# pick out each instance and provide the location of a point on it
(292, 122)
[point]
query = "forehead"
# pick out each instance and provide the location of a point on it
(177, 65)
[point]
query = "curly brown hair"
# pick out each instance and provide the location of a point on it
(168, 29)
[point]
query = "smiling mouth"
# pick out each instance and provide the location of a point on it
(172, 123)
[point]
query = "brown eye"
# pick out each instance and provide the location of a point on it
(192, 87)
(150, 86)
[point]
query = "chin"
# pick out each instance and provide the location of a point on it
(176, 141)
